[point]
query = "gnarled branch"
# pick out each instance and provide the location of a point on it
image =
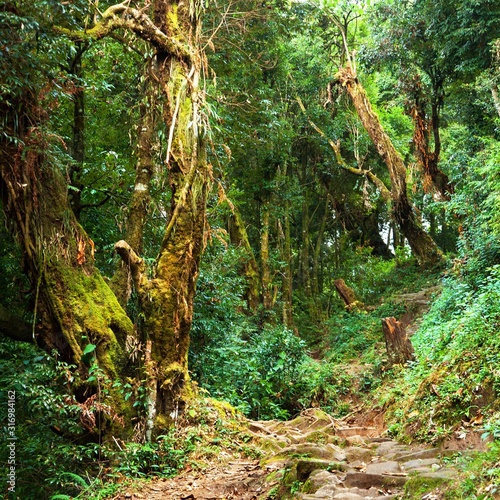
(378, 183)
(122, 16)
(134, 262)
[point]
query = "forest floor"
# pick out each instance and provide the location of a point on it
(315, 456)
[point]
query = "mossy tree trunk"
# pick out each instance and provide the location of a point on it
(74, 304)
(239, 236)
(316, 262)
(167, 297)
(75, 69)
(141, 197)
(422, 245)
(267, 295)
(173, 29)
(287, 274)
(73, 307)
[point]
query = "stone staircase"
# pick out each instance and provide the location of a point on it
(352, 463)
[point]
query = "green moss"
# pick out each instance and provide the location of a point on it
(88, 312)
(419, 485)
(173, 18)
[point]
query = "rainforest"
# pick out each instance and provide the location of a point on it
(250, 249)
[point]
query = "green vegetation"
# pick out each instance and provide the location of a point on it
(247, 156)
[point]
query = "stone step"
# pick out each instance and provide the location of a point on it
(366, 481)
(356, 431)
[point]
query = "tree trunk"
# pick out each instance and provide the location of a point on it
(78, 143)
(167, 300)
(287, 276)
(398, 345)
(239, 237)
(267, 296)
(73, 307)
(141, 197)
(496, 97)
(428, 159)
(317, 248)
(347, 295)
(422, 245)
(305, 271)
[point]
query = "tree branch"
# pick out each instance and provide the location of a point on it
(134, 262)
(384, 192)
(121, 16)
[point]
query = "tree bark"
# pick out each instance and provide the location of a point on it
(141, 197)
(267, 296)
(422, 245)
(318, 246)
(347, 295)
(167, 300)
(287, 276)
(74, 306)
(239, 237)
(398, 345)
(78, 142)
(424, 126)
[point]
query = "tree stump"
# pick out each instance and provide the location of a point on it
(397, 343)
(347, 295)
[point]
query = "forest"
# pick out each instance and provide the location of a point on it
(250, 249)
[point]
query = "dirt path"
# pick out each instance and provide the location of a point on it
(317, 457)
(313, 457)
(235, 479)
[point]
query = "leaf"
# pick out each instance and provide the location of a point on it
(80, 257)
(89, 348)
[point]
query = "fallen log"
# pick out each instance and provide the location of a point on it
(347, 295)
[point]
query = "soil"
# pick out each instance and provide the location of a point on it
(366, 463)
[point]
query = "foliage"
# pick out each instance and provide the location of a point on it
(270, 161)
(44, 411)
(455, 378)
(161, 458)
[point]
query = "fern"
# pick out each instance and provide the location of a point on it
(76, 479)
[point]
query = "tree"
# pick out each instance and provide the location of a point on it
(76, 306)
(422, 245)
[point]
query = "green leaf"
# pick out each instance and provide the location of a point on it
(89, 349)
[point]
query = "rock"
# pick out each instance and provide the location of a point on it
(348, 496)
(383, 468)
(305, 467)
(312, 450)
(427, 482)
(327, 491)
(440, 474)
(356, 440)
(415, 455)
(419, 463)
(391, 448)
(380, 440)
(354, 453)
(346, 432)
(320, 478)
(366, 481)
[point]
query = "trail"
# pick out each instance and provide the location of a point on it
(315, 456)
